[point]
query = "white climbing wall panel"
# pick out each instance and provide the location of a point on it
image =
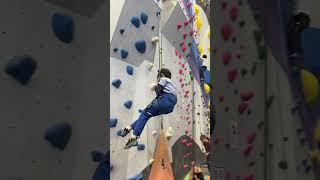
(68, 85)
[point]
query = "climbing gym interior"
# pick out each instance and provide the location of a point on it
(145, 36)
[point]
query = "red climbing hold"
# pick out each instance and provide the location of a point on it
(226, 31)
(182, 43)
(232, 74)
(184, 48)
(224, 5)
(242, 107)
(247, 150)
(221, 98)
(184, 141)
(226, 58)
(182, 65)
(191, 33)
(234, 12)
(179, 26)
(186, 23)
(251, 138)
(177, 52)
(180, 71)
(246, 96)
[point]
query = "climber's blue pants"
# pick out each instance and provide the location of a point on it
(162, 104)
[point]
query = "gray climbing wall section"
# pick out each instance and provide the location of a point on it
(179, 31)
(137, 25)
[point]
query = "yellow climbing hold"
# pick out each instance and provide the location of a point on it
(198, 23)
(206, 88)
(202, 1)
(209, 34)
(209, 48)
(314, 154)
(317, 133)
(310, 86)
(196, 9)
(200, 49)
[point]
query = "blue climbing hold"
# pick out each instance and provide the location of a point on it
(121, 31)
(113, 122)
(140, 147)
(137, 177)
(116, 83)
(63, 27)
(141, 46)
(119, 132)
(21, 68)
(124, 54)
(144, 18)
(129, 70)
(115, 50)
(135, 21)
(103, 169)
(59, 135)
(96, 156)
(128, 104)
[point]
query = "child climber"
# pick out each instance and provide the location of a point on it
(164, 103)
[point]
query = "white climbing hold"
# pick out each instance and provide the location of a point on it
(155, 39)
(150, 66)
(169, 132)
(151, 161)
(154, 132)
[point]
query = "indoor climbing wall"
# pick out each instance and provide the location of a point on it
(239, 91)
(52, 87)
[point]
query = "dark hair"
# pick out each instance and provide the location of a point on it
(165, 72)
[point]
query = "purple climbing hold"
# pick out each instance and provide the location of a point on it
(121, 31)
(96, 156)
(128, 104)
(140, 147)
(124, 54)
(135, 21)
(129, 70)
(116, 83)
(141, 46)
(63, 27)
(21, 68)
(59, 135)
(113, 122)
(144, 18)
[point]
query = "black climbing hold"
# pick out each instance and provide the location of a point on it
(261, 154)
(260, 124)
(240, 3)
(198, 114)
(152, 28)
(103, 169)
(269, 101)
(141, 46)
(174, 42)
(96, 156)
(121, 31)
(236, 91)
(124, 54)
(115, 50)
(129, 70)
(234, 39)
(135, 21)
(227, 146)
(128, 104)
(241, 23)
(258, 36)
(299, 131)
(116, 83)
(283, 165)
(113, 122)
(189, 44)
(243, 72)
(249, 112)
(285, 139)
(203, 56)
(158, 13)
(144, 18)
(262, 52)
(251, 163)
(21, 68)
(302, 141)
(140, 110)
(63, 27)
(59, 135)
(254, 68)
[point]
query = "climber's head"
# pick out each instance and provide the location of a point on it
(163, 72)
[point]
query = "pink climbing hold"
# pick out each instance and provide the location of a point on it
(182, 43)
(226, 58)
(242, 107)
(249, 177)
(226, 31)
(177, 52)
(251, 138)
(183, 141)
(247, 150)
(180, 56)
(234, 12)
(184, 35)
(185, 166)
(179, 26)
(186, 23)
(246, 96)
(232, 74)
(180, 71)
(189, 5)
(187, 130)
(184, 48)
(182, 65)
(191, 33)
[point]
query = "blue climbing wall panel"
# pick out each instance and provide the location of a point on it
(311, 39)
